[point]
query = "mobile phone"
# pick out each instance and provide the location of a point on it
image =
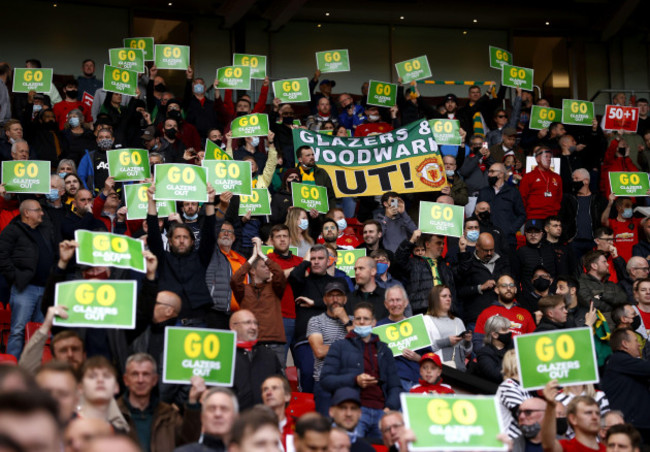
(464, 333)
(393, 202)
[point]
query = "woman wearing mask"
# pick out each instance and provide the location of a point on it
(282, 199)
(449, 338)
(78, 136)
(498, 340)
(298, 223)
(65, 167)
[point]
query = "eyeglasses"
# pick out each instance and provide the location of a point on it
(391, 427)
(527, 413)
(247, 323)
(507, 285)
(227, 231)
(501, 116)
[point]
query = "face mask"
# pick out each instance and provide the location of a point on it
(171, 133)
(174, 114)
(303, 224)
(576, 186)
(255, 141)
(154, 147)
(74, 121)
(241, 113)
(287, 120)
(472, 236)
(505, 338)
(363, 331)
(373, 118)
(627, 213)
(50, 125)
(561, 425)
(636, 323)
(62, 175)
(530, 431)
(476, 149)
(492, 180)
(382, 268)
(161, 88)
(37, 108)
(53, 195)
(199, 88)
(72, 94)
(217, 142)
(105, 144)
(541, 284)
(484, 216)
(191, 217)
(342, 224)
(572, 149)
(449, 173)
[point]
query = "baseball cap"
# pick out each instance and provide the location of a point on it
(431, 357)
(451, 97)
(533, 224)
(334, 285)
(326, 81)
(149, 133)
(541, 151)
(344, 395)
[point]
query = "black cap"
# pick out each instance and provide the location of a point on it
(533, 224)
(331, 83)
(345, 395)
(451, 97)
(149, 133)
(335, 285)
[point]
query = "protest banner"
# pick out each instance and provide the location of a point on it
(137, 203)
(499, 57)
(126, 58)
(28, 79)
(517, 77)
(542, 117)
(26, 176)
(629, 184)
(292, 90)
(234, 176)
(441, 219)
(202, 352)
(259, 202)
(309, 197)
(97, 304)
(128, 164)
(405, 160)
(413, 69)
(446, 131)
(621, 118)
(577, 112)
(256, 63)
(333, 61)
(410, 333)
(255, 125)
(234, 77)
(567, 356)
(103, 249)
(381, 94)
(453, 422)
(346, 260)
(144, 44)
(121, 81)
(180, 182)
(214, 152)
(168, 56)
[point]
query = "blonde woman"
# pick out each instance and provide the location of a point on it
(510, 394)
(298, 223)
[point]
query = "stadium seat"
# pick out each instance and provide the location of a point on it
(5, 328)
(292, 375)
(8, 359)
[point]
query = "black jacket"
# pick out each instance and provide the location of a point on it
(569, 213)
(530, 256)
(547, 324)
(251, 369)
(488, 362)
(626, 381)
(203, 117)
(506, 208)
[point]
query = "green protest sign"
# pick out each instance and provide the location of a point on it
(266, 249)
(128, 164)
(567, 356)
(382, 94)
(577, 112)
(137, 203)
(517, 77)
(97, 304)
(259, 202)
(203, 352)
(131, 59)
(333, 61)
(441, 219)
(542, 117)
(169, 56)
(255, 125)
(122, 81)
(144, 44)
(26, 176)
(26, 80)
(310, 197)
(234, 77)
(256, 63)
(629, 184)
(103, 249)
(292, 90)
(214, 152)
(446, 131)
(410, 333)
(234, 176)
(499, 57)
(180, 182)
(453, 422)
(413, 69)
(346, 260)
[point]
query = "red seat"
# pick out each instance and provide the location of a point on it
(5, 327)
(292, 375)
(380, 447)
(8, 359)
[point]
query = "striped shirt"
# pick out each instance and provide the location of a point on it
(331, 329)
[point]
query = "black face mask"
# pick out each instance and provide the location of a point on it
(492, 180)
(50, 125)
(241, 113)
(484, 216)
(160, 88)
(530, 431)
(171, 133)
(636, 323)
(476, 149)
(561, 425)
(174, 114)
(576, 186)
(541, 284)
(217, 142)
(72, 94)
(288, 120)
(505, 338)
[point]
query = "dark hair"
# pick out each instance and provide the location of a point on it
(603, 230)
(87, 60)
(617, 338)
(364, 305)
(250, 421)
(553, 126)
(300, 149)
(60, 367)
(372, 221)
(471, 218)
(386, 196)
(34, 62)
(175, 226)
(4, 69)
(97, 362)
(329, 220)
(285, 383)
(619, 312)
(590, 257)
(277, 228)
(314, 422)
(434, 300)
(628, 430)
(540, 267)
(570, 281)
(548, 220)
(548, 302)
(27, 403)
(66, 334)
(7, 443)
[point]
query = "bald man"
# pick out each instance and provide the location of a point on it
(637, 268)
(80, 216)
(367, 290)
(505, 205)
(254, 362)
(483, 211)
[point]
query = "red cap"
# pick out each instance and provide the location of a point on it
(431, 357)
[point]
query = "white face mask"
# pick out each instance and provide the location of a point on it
(373, 117)
(255, 141)
(303, 224)
(342, 224)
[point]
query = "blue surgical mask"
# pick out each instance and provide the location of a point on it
(472, 236)
(62, 175)
(199, 88)
(382, 268)
(255, 141)
(191, 217)
(303, 224)
(74, 121)
(363, 331)
(627, 213)
(37, 108)
(53, 195)
(342, 224)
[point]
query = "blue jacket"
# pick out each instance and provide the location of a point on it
(344, 361)
(506, 209)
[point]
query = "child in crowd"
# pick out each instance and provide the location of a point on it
(430, 380)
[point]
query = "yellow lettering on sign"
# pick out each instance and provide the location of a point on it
(86, 294)
(545, 349)
(193, 345)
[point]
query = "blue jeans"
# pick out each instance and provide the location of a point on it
(322, 398)
(289, 328)
(368, 426)
(303, 356)
(25, 307)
